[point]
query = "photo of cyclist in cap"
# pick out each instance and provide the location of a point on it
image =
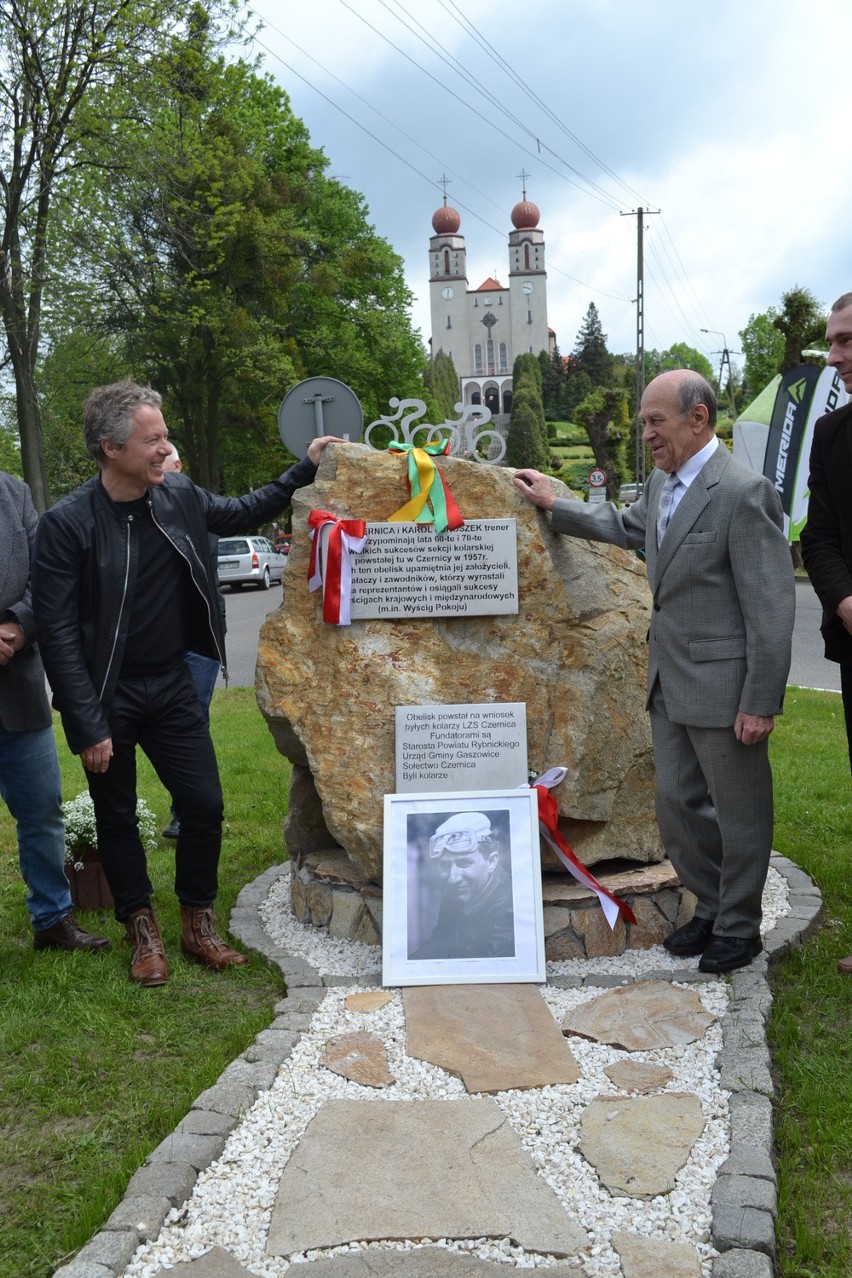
(465, 862)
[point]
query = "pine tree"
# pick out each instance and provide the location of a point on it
(590, 352)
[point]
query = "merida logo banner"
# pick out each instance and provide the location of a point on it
(803, 396)
(787, 428)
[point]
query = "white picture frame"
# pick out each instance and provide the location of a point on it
(455, 918)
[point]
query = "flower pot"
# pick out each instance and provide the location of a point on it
(89, 887)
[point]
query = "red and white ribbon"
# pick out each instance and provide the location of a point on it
(332, 542)
(548, 818)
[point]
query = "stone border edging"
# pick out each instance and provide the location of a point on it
(744, 1197)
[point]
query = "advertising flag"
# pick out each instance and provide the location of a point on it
(805, 393)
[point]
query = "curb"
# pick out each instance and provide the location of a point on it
(744, 1200)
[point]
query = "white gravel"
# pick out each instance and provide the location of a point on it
(233, 1199)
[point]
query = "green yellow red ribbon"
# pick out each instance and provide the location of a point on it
(431, 500)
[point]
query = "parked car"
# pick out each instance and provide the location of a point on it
(249, 559)
(281, 542)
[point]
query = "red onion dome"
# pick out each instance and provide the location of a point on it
(525, 215)
(446, 221)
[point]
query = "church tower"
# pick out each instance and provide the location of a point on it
(484, 329)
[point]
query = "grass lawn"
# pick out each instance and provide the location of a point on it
(95, 1071)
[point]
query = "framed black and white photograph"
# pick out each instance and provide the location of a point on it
(462, 888)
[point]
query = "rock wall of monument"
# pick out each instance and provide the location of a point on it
(575, 653)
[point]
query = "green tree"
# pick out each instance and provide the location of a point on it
(526, 442)
(552, 384)
(774, 340)
(763, 348)
(443, 381)
(682, 356)
(58, 63)
(590, 351)
(232, 267)
(604, 416)
(801, 323)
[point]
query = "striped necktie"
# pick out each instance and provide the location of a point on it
(664, 511)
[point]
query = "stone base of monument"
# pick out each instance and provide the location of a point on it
(328, 891)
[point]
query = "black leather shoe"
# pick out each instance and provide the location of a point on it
(172, 830)
(724, 953)
(68, 935)
(693, 938)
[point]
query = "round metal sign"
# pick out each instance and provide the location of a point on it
(597, 478)
(319, 406)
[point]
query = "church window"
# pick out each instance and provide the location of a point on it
(477, 357)
(446, 261)
(504, 358)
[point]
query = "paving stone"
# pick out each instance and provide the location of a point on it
(493, 1037)
(742, 1264)
(743, 1227)
(739, 1071)
(204, 1122)
(368, 1001)
(84, 1269)
(643, 1257)
(359, 1056)
(420, 1262)
(174, 1180)
(216, 1263)
(185, 1147)
(113, 1248)
(641, 1017)
(227, 1097)
(751, 1120)
(743, 1160)
(638, 1076)
(744, 1191)
(637, 1145)
(465, 1174)
(144, 1215)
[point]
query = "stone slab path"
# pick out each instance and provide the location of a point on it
(419, 1134)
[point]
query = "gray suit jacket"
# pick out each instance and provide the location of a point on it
(722, 587)
(23, 700)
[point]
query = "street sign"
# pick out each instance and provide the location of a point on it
(597, 479)
(319, 406)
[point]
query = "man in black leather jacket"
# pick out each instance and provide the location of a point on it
(122, 586)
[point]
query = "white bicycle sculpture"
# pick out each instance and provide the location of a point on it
(467, 436)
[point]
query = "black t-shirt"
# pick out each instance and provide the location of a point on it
(156, 640)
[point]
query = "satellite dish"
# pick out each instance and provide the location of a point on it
(319, 406)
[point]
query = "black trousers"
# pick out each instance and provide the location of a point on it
(846, 694)
(161, 714)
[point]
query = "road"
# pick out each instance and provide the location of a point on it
(248, 607)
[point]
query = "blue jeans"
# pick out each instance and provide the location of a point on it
(32, 790)
(205, 672)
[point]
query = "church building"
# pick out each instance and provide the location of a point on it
(485, 328)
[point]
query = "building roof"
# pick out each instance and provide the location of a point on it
(489, 285)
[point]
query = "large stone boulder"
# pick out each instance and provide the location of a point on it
(575, 653)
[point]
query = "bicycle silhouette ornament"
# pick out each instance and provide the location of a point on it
(468, 437)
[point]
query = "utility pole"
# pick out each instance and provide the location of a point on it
(639, 214)
(726, 359)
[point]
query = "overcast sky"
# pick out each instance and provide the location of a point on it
(734, 119)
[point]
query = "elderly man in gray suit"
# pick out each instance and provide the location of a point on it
(29, 769)
(723, 604)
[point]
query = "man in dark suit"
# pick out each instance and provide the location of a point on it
(29, 769)
(721, 579)
(827, 536)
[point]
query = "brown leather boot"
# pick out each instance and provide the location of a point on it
(148, 960)
(199, 940)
